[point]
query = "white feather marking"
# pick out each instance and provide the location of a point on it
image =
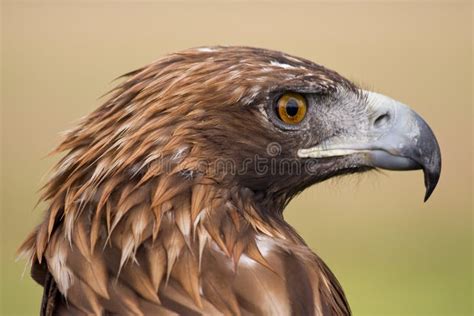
(206, 49)
(69, 226)
(262, 110)
(234, 74)
(199, 217)
(138, 228)
(179, 154)
(99, 170)
(127, 252)
(247, 261)
(117, 162)
(137, 168)
(67, 163)
(281, 65)
(62, 274)
(251, 95)
(216, 247)
(265, 245)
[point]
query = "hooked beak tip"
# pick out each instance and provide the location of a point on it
(431, 179)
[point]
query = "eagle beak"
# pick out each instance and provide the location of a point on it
(396, 138)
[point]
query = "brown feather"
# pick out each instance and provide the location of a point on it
(186, 273)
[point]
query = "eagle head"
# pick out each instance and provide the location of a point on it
(169, 197)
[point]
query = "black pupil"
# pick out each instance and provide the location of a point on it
(292, 107)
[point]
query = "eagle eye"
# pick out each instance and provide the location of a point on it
(291, 108)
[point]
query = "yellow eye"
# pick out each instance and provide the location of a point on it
(291, 108)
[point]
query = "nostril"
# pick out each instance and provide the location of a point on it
(382, 120)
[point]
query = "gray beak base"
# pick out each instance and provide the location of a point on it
(396, 139)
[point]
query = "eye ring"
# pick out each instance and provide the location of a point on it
(291, 108)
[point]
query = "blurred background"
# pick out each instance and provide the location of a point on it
(393, 254)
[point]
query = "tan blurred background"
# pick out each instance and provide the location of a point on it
(393, 254)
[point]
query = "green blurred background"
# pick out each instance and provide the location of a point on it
(393, 254)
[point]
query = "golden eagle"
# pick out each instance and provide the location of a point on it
(169, 197)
